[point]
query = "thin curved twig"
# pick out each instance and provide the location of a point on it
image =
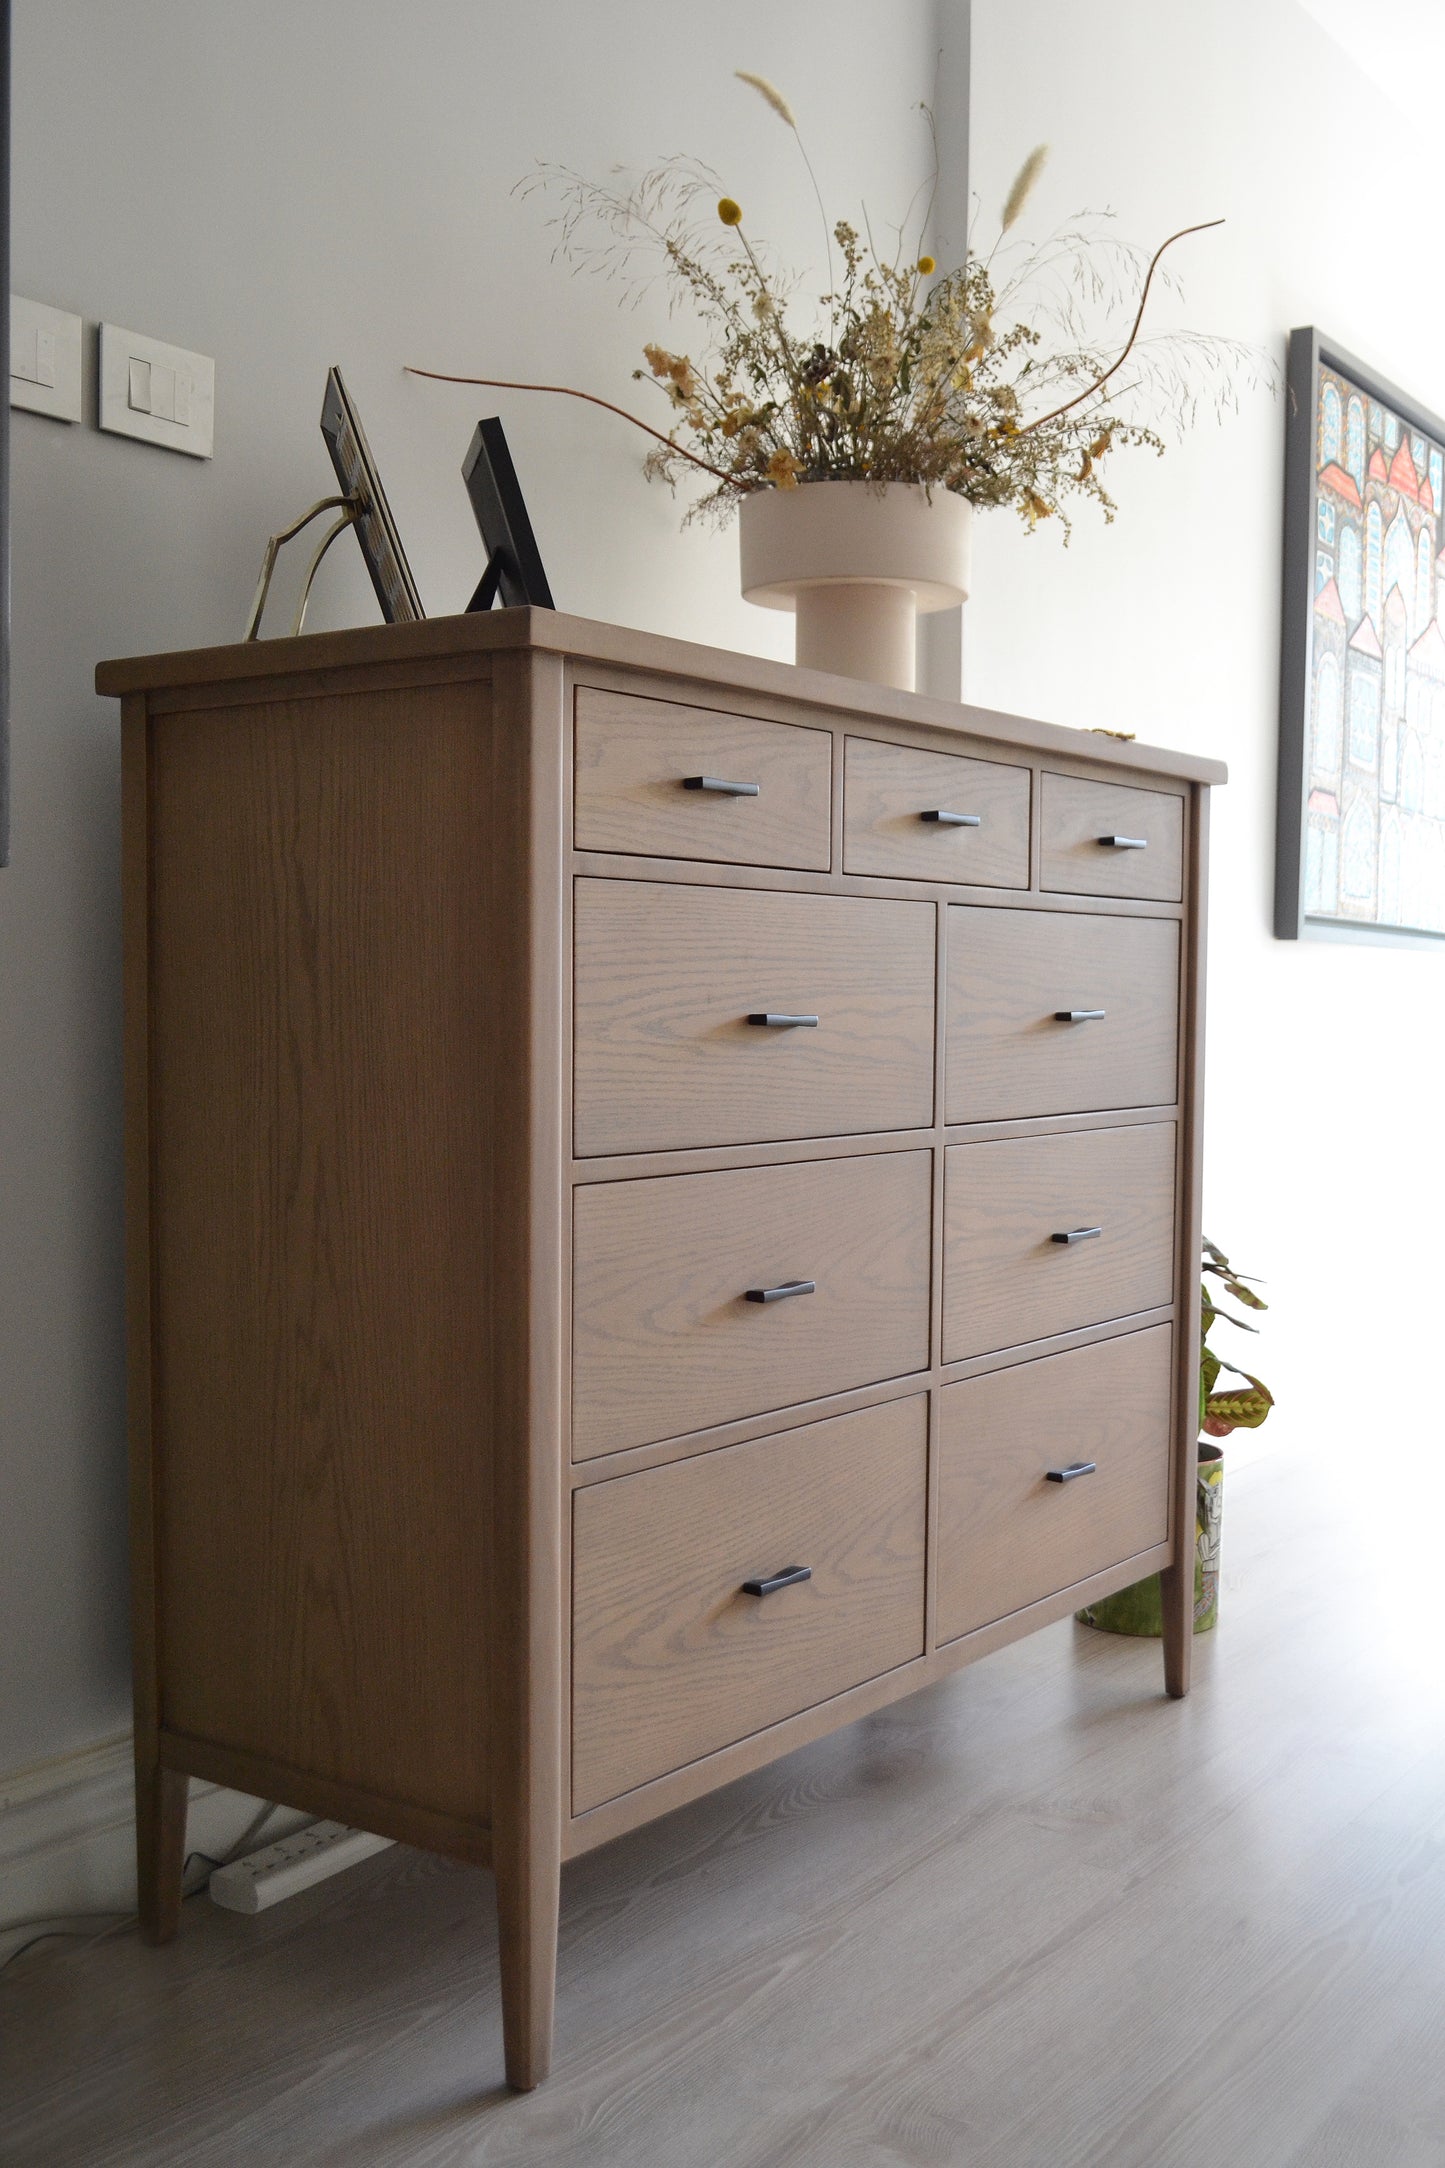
(566, 391)
(1099, 382)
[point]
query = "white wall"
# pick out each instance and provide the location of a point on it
(1325, 1170)
(283, 185)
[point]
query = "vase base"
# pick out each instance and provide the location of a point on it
(861, 629)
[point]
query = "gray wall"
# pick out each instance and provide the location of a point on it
(282, 185)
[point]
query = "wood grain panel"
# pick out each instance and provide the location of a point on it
(667, 977)
(1005, 1281)
(671, 1659)
(664, 1339)
(1076, 812)
(886, 790)
(1009, 972)
(634, 753)
(1006, 1535)
(319, 1211)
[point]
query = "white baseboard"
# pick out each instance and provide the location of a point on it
(67, 1832)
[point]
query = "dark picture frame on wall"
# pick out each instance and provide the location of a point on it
(1361, 825)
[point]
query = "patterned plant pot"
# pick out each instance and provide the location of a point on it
(1139, 1610)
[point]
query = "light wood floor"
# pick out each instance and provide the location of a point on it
(1037, 1917)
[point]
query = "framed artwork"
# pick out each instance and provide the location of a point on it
(1361, 840)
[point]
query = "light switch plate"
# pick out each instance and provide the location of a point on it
(161, 394)
(44, 359)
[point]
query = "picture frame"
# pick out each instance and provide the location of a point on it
(514, 563)
(376, 531)
(1360, 851)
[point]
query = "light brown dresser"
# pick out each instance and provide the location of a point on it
(663, 1203)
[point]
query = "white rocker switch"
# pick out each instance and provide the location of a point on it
(162, 394)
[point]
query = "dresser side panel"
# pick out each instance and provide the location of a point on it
(320, 1148)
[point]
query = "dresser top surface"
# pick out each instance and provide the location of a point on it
(246, 665)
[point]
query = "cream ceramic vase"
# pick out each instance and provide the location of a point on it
(856, 564)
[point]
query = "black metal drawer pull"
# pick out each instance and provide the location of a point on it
(1078, 1234)
(953, 820)
(721, 786)
(1079, 1016)
(782, 1292)
(1075, 1467)
(1125, 843)
(779, 1020)
(790, 1577)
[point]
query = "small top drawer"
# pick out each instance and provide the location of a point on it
(920, 816)
(664, 781)
(1111, 839)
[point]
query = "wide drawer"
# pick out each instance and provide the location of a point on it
(934, 816)
(1053, 1012)
(667, 978)
(1006, 1280)
(666, 781)
(1111, 839)
(672, 1658)
(1007, 1535)
(664, 1337)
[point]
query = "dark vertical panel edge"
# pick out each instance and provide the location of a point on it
(5, 435)
(1294, 659)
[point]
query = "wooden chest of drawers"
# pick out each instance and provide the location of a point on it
(662, 1200)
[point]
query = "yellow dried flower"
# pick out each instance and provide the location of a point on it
(783, 470)
(927, 266)
(773, 95)
(729, 212)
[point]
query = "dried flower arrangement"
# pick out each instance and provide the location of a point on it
(988, 380)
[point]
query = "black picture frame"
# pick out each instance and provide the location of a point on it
(396, 590)
(514, 563)
(1321, 595)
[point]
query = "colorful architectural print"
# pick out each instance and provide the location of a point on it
(1374, 739)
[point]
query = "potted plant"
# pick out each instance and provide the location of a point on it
(1242, 1406)
(858, 419)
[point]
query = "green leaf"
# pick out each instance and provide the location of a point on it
(1238, 1410)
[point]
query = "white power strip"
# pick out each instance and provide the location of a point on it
(293, 1863)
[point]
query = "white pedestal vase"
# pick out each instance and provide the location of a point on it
(856, 564)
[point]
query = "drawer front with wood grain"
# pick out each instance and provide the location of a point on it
(673, 1656)
(1054, 1012)
(730, 1016)
(1111, 839)
(1044, 1235)
(922, 816)
(1051, 1472)
(701, 1298)
(665, 781)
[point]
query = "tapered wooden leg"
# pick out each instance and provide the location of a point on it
(161, 1797)
(1176, 1588)
(528, 1889)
